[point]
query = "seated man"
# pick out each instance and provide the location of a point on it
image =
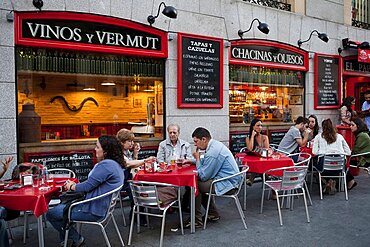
(218, 162)
(293, 138)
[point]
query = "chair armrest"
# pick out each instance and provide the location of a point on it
(153, 183)
(358, 155)
(280, 169)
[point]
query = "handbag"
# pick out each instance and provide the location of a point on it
(71, 196)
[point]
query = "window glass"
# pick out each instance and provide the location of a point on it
(274, 95)
(83, 95)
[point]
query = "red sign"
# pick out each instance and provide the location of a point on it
(87, 32)
(364, 56)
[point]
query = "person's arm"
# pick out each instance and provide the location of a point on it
(343, 114)
(360, 144)
(189, 159)
(315, 147)
(208, 168)
(250, 141)
(6, 164)
(161, 155)
(266, 143)
(136, 151)
(302, 142)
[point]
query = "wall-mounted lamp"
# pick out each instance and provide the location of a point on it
(168, 11)
(227, 43)
(321, 36)
(263, 27)
(10, 16)
(171, 36)
(364, 45)
(38, 4)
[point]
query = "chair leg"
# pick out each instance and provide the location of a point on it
(245, 195)
(262, 197)
(308, 193)
(105, 236)
(206, 217)
(25, 227)
(305, 204)
(345, 186)
(10, 232)
(66, 238)
(117, 230)
(162, 228)
(132, 224)
(180, 210)
(137, 219)
(239, 207)
(122, 210)
(320, 186)
(278, 206)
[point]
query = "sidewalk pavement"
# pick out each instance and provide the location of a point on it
(334, 222)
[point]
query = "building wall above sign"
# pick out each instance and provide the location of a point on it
(88, 32)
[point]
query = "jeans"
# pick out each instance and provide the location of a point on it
(55, 217)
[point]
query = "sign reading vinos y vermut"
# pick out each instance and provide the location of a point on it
(200, 73)
(268, 53)
(89, 32)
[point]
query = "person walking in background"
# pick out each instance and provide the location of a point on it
(346, 111)
(366, 109)
(313, 126)
(255, 140)
(292, 140)
(105, 176)
(362, 145)
(217, 162)
(329, 142)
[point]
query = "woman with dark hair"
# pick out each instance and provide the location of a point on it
(346, 111)
(313, 126)
(255, 140)
(329, 142)
(105, 176)
(362, 145)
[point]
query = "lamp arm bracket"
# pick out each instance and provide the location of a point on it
(300, 42)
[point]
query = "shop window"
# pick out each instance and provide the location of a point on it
(273, 95)
(83, 95)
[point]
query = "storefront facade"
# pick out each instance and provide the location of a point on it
(70, 47)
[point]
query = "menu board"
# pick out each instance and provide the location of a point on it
(79, 162)
(237, 142)
(146, 152)
(276, 136)
(327, 81)
(200, 73)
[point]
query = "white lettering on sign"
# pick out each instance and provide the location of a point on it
(66, 33)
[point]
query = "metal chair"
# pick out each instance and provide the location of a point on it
(355, 156)
(121, 197)
(145, 195)
(233, 195)
(303, 159)
(102, 223)
(334, 162)
(275, 148)
(292, 180)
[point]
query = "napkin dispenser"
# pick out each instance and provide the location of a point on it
(26, 179)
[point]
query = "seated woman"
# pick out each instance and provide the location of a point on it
(346, 112)
(313, 126)
(255, 140)
(362, 145)
(329, 142)
(104, 177)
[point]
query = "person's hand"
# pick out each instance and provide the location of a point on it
(254, 133)
(196, 154)
(68, 185)
(7, 162)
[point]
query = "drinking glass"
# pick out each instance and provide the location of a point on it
(36, 181)
(50, 180)
(2, 185)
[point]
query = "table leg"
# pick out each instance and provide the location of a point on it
(40, 231)
(192, 210)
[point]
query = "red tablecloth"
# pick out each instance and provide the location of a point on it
(180, 176)
(259, 164)
(30, 198)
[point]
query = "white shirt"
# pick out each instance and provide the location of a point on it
(340, 146)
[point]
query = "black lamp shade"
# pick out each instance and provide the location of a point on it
(264, 28)
(38, 4)
(364, 45)
(323, 37)
(170, 12)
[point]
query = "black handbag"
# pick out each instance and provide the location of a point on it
(71, 196)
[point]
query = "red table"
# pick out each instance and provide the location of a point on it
(259, 164)
(33, 199)
(180, 176)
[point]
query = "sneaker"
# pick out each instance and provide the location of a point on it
(212, 218)
(187, 224)
(79, 243)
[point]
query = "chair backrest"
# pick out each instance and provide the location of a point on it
(62, 173)
(145, 194)
(241, 173)
(300, 158)
(293, 177)
(275, 148)
(334, 162)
